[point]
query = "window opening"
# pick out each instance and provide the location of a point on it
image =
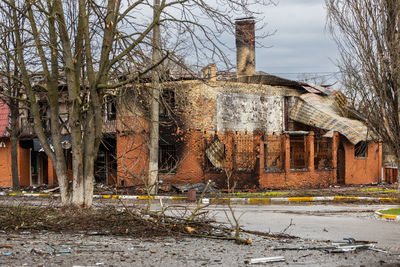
(167, 159)
(110, 108)
(361, 149)
(215, 155)
(274, 153)
(322, 153)
(244, 156)
(167, 103)
(298, 152)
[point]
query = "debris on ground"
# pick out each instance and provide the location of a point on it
(267, 259)
(199, 188)
(349, 244)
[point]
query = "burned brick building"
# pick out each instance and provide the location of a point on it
(242, 130)
(251, 131)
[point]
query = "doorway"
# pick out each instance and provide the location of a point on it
(341, 164)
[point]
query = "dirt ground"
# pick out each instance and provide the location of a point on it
(49, 249)
(42, 247)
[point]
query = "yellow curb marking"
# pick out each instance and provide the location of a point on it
(386, 216)
(259, 200)
(145, 197)
(345, 198)
(293, 199)
(178, 198)
(44, 195)
(111, 196)
(388, 198)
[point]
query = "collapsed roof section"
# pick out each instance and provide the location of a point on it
(329, 113)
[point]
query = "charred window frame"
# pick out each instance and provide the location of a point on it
(361, 149)
(322, 153)
(244, 155)
(167, 158)
(298, 152)
(167, 103)
(208, 165)
(43, 106)
(274, 150)
(110, 108)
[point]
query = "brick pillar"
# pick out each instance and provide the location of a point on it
(335, 145)
(310, 143)
(262, 156)
(229, 146)
(51, 174)
(286, 141)
(380, 165)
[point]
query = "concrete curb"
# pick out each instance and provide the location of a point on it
(253, 201)
(387, 217)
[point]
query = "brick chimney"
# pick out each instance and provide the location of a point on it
(245, 47)
(210, 72)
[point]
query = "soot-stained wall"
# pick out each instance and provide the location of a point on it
(249, 112)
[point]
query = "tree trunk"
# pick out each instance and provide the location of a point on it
(14, 143)
(88, 190)
(154, 108)
(64, 188)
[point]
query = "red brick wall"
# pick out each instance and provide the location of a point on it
(52, 176)
(5, 164)
(358, 170)
(24, 167)
(132, 150)
(363, 170)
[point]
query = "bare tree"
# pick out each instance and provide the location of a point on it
(11, 87)
(154, 106)
(87, 46)
(367, 34)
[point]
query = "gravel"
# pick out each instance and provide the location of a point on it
(77, 249)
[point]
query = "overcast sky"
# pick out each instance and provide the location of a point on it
(301, 44)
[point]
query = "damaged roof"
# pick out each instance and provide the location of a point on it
(329, 113)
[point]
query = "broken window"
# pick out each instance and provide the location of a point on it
(361, 149)
(243, 155)
(167, 158)
(110, 108)
(298, 152)
(215, 155)
(274, 153)
(167, 102)
(322, 152)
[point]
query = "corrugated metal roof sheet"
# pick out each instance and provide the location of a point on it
(4, 122)
(328, 113)
(216, 154)
(311, 89)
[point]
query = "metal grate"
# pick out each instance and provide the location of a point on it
(274, 154)
(322, 153)
(244, 155)
(167, 158)
(298, 152)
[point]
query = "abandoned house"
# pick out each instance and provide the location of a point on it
(252, 130)
(34, 167)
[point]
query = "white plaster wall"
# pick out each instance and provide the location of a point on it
(249, 112)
